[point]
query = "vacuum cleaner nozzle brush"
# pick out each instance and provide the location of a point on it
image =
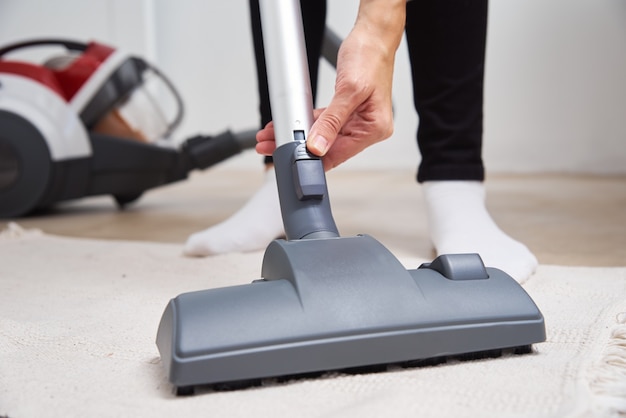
(326, 302)
(302, 318)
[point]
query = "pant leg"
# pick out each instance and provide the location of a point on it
(314, 23)
(446, 40)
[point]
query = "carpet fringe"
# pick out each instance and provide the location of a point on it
(609, 381)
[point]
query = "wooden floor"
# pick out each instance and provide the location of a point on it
(576, 220)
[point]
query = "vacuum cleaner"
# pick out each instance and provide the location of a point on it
(326, 302)
(93, 121)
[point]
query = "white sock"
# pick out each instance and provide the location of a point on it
(459, 223)
(251, 228)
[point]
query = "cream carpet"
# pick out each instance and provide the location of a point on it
(78, 320)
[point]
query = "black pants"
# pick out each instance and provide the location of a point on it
(446, 41)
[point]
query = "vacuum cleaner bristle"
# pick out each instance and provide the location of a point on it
(377, 368)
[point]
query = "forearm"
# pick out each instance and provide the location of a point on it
(383, 21)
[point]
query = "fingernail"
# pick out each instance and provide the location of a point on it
(318, 145)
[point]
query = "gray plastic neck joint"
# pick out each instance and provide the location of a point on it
(303, 193)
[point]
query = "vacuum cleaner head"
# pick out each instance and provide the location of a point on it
(331, 303)
(340, 303)
(326, 302)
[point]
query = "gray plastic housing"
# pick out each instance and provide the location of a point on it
(336, 303)
(326, 302)
(304, 201)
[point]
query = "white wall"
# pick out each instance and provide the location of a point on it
(555, 83)
(556, 86)
(117, 22)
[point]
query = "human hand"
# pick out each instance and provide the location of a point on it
(360, 113)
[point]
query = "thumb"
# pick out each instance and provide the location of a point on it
(324, 131)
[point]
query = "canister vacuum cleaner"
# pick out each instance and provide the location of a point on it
(92, 121)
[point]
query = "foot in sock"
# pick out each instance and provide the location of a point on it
(459, 223)
(251, 228)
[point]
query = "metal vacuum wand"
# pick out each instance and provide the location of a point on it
(302, 189)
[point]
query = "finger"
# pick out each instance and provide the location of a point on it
(266, 134)
(266, 142)
(266, 148)
(327, 126)
(318, 112)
